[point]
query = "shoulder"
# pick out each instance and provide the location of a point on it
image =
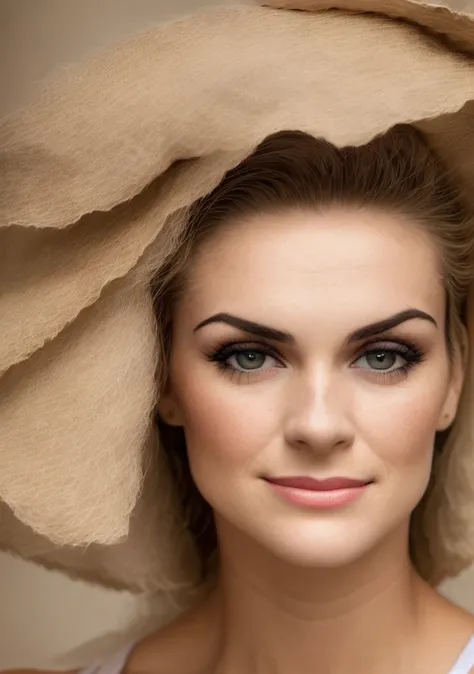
(452, 629)
(185, 645)
(168, 651)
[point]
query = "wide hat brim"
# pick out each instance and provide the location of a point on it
(96, 175)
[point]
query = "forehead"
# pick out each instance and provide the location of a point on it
(337, 258)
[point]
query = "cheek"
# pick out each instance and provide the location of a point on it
(404, 434)
(227, 428)
(221, 433)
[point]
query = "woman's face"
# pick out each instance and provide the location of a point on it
(308, 388)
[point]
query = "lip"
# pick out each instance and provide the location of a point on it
(318, 494)
(312, 484)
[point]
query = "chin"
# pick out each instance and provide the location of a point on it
(334, 542)
(319, 553)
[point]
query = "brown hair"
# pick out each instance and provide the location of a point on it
(291, 169)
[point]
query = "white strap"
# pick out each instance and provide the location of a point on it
(465, 661)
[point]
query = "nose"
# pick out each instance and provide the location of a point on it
(320, 413)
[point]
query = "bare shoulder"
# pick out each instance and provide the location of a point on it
(451, 629)
(164, 652)
(460, 618)
(185, 645)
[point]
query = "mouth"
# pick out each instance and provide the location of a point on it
(323, 494)
(312, 484)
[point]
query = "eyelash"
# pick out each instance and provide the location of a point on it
(409, 351)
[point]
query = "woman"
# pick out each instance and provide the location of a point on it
(311, 314)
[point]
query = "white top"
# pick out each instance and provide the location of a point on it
(116, 663)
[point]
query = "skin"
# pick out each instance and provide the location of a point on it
(299, 589)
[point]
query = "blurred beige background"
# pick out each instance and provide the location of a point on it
(43, 615)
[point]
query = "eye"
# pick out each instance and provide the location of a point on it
(252, 359)
(391, 358)
(382, 359)
(241, 358)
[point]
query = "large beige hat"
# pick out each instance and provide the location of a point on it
(94, 177)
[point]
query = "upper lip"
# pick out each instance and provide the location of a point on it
(329, 484)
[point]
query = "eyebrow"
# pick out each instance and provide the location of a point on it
(272, 334)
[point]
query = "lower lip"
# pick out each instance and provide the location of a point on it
(319, 499)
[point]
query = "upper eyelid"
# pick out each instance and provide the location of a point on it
(369, 341)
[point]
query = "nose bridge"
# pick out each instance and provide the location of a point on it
(320, 408)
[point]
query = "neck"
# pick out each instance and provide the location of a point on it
(276, 618)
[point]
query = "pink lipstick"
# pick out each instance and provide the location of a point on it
(323, 494)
